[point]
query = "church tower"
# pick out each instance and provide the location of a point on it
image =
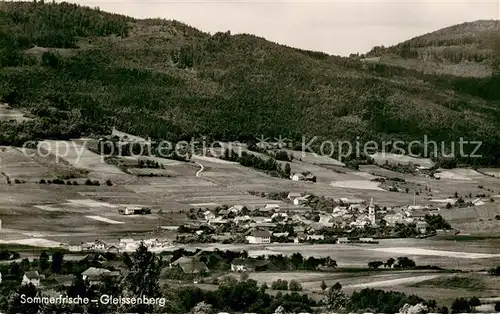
(371, 212)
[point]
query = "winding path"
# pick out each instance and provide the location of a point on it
(201, 169)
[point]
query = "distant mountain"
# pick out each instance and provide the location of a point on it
(79, 71)
(468, 49)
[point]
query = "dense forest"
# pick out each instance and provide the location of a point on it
(79, 71)
(466, 42)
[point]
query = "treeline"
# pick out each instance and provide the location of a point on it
(27, 24)
(270, 165)
(242, 297)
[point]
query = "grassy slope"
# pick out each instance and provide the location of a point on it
(167, 80)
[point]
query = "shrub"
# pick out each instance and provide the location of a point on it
(294, 286)
(460, 305)
(375, 264)
(88, 182)
(474, 301)
(323, 285)
(108, 182)
(280, 285)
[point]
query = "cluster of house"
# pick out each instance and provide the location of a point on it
(92, 274)
(255, 223)
(124, 245)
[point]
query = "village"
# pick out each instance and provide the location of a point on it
(209, 218)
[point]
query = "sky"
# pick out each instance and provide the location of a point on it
(332, 26)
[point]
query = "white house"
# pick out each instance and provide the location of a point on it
(242, 219)
(301, 200)
(128, 244)
(94, 275)
(98, 245)
(343, 240)
(298, 177)
(315, 237)
(272, 206)
(259, 237)
(293, 195)
(422, 226)
(236, 208)
(75, 246)
(31, 277)
(209, 215)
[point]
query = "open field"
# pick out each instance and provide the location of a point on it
(314, 159)
(358, 184)
(381, 158)
(9, 114)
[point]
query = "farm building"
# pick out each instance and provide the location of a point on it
(306, 176)
(31, 277)
(293, 195)
(343, 240)
(135, 210)
(75, 246)
(259, 237)
(190, 265)
(301, 200)
(248, 264)
(94, 275)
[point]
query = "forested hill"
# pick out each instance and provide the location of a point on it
(79, 71)
(468, 49)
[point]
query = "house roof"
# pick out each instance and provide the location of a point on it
(63, 279)
(32, 275)
(94, 257)
(249, 262)
(95, 272)
(261, 234)
(181, 260)
(193, 267)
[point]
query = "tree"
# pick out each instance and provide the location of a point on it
(336, 298)
(329, 262)
(288, 170)
(57, 262)
(202, 308)
(142, 279)
(460, 305)
(375, 264)
(44, 263)
(16, 304)
(323, 285)
(25, 264)
(279, 285)
(474, 301)
(390, 262)
(244, 276)
(495, 271)
(294, 286)
(405, 262)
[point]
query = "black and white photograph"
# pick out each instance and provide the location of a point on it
(250, 156)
